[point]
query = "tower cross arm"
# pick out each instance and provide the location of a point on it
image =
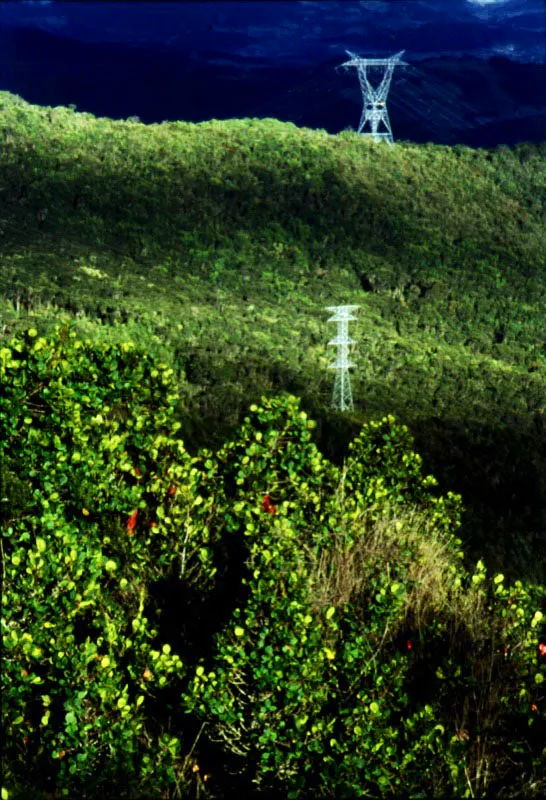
(342, 312)
(342, 340)
(357, 61)
(341, 365)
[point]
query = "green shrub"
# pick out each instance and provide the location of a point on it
(359, 657)
(314, 686)
(88, 434)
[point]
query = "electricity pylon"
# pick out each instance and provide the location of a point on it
(375, 100)
(342, 398)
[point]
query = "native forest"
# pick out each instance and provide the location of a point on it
(214, 584)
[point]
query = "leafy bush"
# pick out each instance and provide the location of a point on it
(314, 685)
(358, 657)
(106, 492)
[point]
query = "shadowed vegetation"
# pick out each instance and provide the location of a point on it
(214, 248)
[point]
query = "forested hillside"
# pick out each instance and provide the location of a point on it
(164, 349)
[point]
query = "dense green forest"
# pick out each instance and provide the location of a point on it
(213, 582)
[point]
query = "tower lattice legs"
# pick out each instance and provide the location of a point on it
(342, 396)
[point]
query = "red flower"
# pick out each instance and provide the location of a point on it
(131, 522)
(268, 505)
(410, 645)
(542, 649)
(172, 490)
(137, 472)
(534, 708)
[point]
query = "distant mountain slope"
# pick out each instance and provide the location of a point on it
(262, 174)
(220, 244)
(411, 205)
(444, 100)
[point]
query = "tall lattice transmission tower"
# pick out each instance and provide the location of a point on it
(342, 398)
(375, 100)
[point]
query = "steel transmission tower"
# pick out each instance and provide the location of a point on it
(375, 100)
(342, 397)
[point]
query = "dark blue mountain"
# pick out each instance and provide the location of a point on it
(288, 72)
